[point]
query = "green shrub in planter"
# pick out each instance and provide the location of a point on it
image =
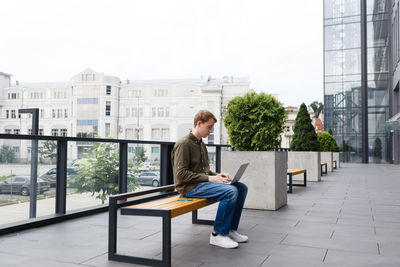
(304, 138)
(327, 141)
(254, 122)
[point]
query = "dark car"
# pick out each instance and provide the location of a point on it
(149, 178)
(51, 175)
(21, 185)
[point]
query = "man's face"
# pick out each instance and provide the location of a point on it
(206, 128)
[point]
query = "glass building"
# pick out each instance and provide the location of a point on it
(360, 95)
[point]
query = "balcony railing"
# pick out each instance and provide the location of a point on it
(63, 158)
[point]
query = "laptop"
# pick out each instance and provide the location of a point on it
(239, 173)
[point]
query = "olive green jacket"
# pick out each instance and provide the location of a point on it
(189, 159)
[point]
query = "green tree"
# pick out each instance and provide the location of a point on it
(327, 141)
(377, 148)
(304, 138)
(48, 150)
(7, 154)
(254, 122)
(317, 107)
(98, 173)
(142, 154)
(330, 131)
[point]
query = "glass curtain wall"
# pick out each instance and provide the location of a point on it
(378, 27)
(342, 75)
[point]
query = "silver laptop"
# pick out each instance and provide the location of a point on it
(239, 173)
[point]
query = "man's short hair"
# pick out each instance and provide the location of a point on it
(204, 116)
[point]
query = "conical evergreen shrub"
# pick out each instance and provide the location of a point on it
(304, 138)
(327, 142)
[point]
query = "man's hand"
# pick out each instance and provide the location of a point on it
(220, 178)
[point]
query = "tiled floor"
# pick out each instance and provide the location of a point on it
(350, 218)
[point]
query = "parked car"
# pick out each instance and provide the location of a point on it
(21, 185)
(51, 175)
(146, 166)
(149, 178)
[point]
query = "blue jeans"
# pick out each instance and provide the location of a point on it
(231, 200)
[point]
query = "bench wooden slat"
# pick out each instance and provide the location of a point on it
(174, 205)
(296, 171)
(324, 163)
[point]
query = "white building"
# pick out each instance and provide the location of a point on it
(94, 104)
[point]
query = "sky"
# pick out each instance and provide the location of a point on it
(278, 45)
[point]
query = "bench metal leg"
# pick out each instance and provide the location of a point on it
(305, 179)
(290, 183)
(195, 219)
(322, 169)
(166, 237)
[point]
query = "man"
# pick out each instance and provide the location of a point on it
(193, 178)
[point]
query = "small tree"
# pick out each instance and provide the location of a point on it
(327, 141)
(48, 150)
(7, 154)
(254, 122)
(330, 132)
(304, 138)
(317, 107)
(99, 173)
(377, 148)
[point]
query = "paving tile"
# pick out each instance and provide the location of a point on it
(351, 259)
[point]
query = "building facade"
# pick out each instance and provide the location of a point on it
(94, 104)
(360, 78)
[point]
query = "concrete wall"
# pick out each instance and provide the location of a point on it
(311, 161)
(328, 158)
(265, 177)
(336, 157)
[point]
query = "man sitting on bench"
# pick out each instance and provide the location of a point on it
(193, 178)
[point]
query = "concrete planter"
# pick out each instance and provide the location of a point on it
(336, 157)
(328, 158)
(265, 177)
(309, 160)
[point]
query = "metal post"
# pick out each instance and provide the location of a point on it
(61, 178)
(217, 159)
(34, 159)
(123, 167)
(166, 173)
(364, 83)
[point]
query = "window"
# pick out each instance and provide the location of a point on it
(13, 116)
(54, 132)
(40, 131)
(155, 150)
(7, 114)
(287, 128)
(134, 112)
(53, 113)
(155, 133)
(87, 101)
(108, 90)
(63, 132)
(29, 131)
(65, 113)
(128, 112)
(42, 113)
(15, 149)
(129, 133)
(107, 129)
(165, 133)
(36, 95)
(16, 131)
(59, 113)
(108, 108)
(141, 112)
(153, 112)
(160, 112)
(13, 95)
(7, 131)
(167, 112)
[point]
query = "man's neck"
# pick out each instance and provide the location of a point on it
(196, 134)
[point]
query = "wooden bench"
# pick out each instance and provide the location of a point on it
(165, 205)
(326, 168)
(291, 172)
(335, 164)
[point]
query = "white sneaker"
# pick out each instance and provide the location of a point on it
(238, 237)
(223, 241)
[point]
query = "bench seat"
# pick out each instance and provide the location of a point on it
(291, 172)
